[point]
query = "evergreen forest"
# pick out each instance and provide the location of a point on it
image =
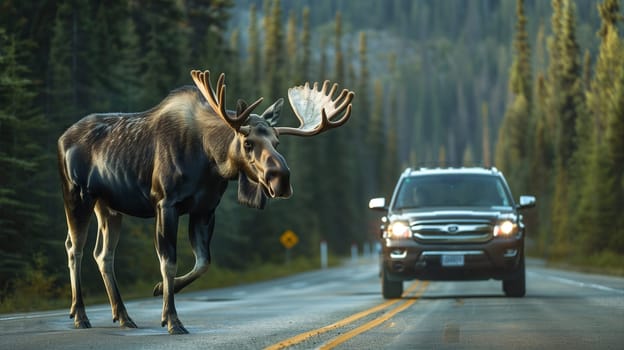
(532, 87)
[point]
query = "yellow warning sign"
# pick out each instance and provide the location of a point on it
(289, 239)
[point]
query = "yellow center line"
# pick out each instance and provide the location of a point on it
(374, 323)
(303, 336)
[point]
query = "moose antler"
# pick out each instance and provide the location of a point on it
(316, 110)
(202, 80)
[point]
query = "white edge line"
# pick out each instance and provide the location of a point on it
(29, 316)
(582, 284)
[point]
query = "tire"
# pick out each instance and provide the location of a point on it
(390, 289)
(516, 286)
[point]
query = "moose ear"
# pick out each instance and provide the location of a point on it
(250, 193)
(272, 113)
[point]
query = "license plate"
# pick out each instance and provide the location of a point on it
(452, 260)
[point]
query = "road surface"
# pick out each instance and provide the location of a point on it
(342, 308)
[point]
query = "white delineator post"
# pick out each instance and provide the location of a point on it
(354, 252)
(323, 255)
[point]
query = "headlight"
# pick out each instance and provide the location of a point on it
(399, 229)
(505, 228)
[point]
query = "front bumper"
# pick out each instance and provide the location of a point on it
(407, 259)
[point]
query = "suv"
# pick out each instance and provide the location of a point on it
(449, 225)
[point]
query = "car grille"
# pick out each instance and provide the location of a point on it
(452, 231)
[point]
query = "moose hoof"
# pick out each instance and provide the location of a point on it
(82, 324)
(158, 289)
(178, 329)
(175, 327)
(121, 316)
(127, 323)
(81, 320)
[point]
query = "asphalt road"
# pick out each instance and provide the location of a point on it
(342, 308)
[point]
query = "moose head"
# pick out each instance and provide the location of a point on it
(263, 172)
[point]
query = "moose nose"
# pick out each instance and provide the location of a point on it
(277, 178)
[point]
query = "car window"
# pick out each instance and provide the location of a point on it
(451, 190)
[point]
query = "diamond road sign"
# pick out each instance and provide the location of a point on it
(289, 239)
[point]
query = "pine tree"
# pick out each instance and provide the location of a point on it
(235, 76)
(340, 164)
(291, 50)
(606, 64)
(351, 78)
(129, 68)
(541, 167)
(305, 158)
(512, 149)
(71, 68)
(540, 47)
(485, 137)
(390, 154)
(363, 75)
(166, 61)
(572, 104)
(116, 77)
(323, 70)
(24, 160)
(339, 66)
(597, 155)
(375, 136)
(520, 75)
(586, 71)
(509, 156)
(550, 125)
(610, 15)
(363, 90)
(615, 155)
(554, 71)
(254, 70)
(306, 50)
(360, 125)
(273, 53)
(566, 104)
(207, 26)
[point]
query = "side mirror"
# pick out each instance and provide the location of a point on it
(526, 202)
(378, 204)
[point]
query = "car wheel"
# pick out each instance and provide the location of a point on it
(390, 289)
(516, 286)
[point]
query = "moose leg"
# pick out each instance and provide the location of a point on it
(201, 228)
(109, 224)
(166, 235)
(77, 214)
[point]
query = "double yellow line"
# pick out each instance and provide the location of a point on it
(361, 329)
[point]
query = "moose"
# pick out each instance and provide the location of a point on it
(175, 159)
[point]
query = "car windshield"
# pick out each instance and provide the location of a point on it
(452, 190)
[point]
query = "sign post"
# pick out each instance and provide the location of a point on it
(288, 239)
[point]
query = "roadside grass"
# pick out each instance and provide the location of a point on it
(37, 292)
(605, 263)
